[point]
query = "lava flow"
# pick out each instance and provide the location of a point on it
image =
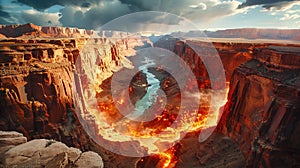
(112, 126)
(167, 159)
(157, 138)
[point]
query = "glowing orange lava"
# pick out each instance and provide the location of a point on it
(168, 158)
(112, 126)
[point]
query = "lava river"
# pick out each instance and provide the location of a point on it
(158, 138)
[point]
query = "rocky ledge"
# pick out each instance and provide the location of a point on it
(17, 152)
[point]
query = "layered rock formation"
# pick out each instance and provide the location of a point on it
(30, 31)
(16, 152)
(247, 33)
(232, 53)
(262, 110)
(37, 87)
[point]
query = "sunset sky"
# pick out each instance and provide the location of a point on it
(206, 14)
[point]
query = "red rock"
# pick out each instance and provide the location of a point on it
(262, 112)
(31, 30)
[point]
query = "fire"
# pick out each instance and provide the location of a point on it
(130, 129)
(96, 105)
(168, 158)
(114, 127)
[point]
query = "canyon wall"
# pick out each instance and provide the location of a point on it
(231, 52)
(36, 90)
(261, 114)
(245, 33)
(30, 31)
(263, 103)
(37, 86)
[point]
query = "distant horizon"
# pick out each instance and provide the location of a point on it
(191, 30)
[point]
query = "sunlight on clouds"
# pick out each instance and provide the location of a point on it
(91, 14)
(288, 12)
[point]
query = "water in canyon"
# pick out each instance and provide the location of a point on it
(143, 105)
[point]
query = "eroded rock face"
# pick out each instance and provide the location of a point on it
(45, 153)
(36, 87)
(232, 53)
(36, 90)
(30, 30)
(262, 110)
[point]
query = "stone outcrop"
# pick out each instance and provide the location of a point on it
(261, 114)
(43, 153)
(9, 140)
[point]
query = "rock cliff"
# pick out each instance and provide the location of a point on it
(261, 114)
(36, 81)
(36, 86)
(232, 53)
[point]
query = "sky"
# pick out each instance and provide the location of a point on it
(204, 14)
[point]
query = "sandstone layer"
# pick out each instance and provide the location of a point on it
(37, 77)
(246, 33)
(33, 31)
(263, 105)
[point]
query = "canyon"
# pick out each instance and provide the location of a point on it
(41, 68)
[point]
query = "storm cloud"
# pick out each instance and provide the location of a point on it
(4, 15)
(91, 14)
(44, 4)
(268, 4)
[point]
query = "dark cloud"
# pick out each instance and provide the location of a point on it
(44, 4)
(278, 4)
(3, 16)
(144, 21)
(38, 4)
(97, 15)
(91, 14)
(85, 5)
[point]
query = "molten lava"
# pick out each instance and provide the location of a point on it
(207, 116)
(169, 158)
(157, 137)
